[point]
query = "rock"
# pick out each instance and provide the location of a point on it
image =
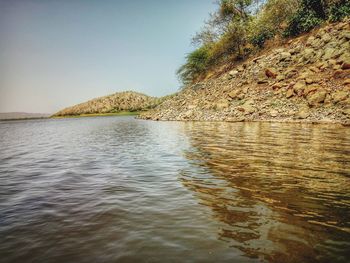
(346, 35)
(346, 111)
(345, 66)
(262, 81)
(247, 107)
(310, 89)
(270, 73)
(299, 87)
(308, 54)
(317, 97)
(285, 56)
(346, 82)
(310, 40)
(234, 93)
(314, 69)
(277, 86)
(303, 113)
(233, 73)
(290, 93)
(280, 77)
(237, 119)
(273, 113)
(309, 81)
(329, 53)
(339, 95)
(338, 74)
(326, 38)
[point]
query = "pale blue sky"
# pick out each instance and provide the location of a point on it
(56, 53)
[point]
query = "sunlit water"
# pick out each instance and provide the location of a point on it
(117, 189)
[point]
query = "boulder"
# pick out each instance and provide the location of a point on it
(270, 73)
(326, 38)
(345, 66)
(299, 87)
(285, 56)
(234, 93)
(247, 107)
(317, 97)
(310, 89)
(233, 73)
(290, 93)
(303, 113)
(339, 95)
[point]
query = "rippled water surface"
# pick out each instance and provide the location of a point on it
(116, 189)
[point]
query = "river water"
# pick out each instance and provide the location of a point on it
(117, 189)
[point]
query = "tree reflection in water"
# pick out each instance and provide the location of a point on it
(280, 191)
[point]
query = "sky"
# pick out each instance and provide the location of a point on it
(57, 53)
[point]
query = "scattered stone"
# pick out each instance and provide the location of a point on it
(310, 89)
(345, 66)
(273, 113)
(317, 97)
(285, 56)
(303, 113)
(234, 94)
(233, 73)
(290, 93)
(270, 73)
(299, 87)
(339, 95)
(309, 81)
(247, 107)
(277, 86)
(262, 81)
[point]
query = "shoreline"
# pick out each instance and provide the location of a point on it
(125, 113)
(301, 121)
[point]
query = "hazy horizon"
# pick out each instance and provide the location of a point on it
(55, 54)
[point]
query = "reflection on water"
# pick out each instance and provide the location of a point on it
(280, 190)
(123, 190)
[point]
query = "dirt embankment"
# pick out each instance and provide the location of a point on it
(307, 79)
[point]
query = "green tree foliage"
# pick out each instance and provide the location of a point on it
(196, 64)
(240, 26)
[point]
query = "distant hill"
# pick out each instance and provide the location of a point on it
(21, 115)
(117, 102)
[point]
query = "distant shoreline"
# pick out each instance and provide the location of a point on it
(123, 113)
(25, 119)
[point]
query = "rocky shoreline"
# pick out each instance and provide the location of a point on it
(305, 80)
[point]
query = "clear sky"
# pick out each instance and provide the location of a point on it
(57, 53)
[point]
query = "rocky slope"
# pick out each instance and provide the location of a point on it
(307, 79)
(120, 101)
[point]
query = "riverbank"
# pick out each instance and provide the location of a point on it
(123, 113)
(307, 79)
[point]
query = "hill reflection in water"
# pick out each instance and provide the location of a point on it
(281, 191)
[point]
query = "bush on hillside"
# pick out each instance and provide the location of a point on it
(239, 27)
(338, 10)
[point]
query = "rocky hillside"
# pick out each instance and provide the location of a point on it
(117, 102)
(306, 79)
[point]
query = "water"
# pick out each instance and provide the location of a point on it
(117, 189)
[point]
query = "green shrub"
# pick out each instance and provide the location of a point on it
(302, 21)
(196, 64)
(339, 10)
(260, 39)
